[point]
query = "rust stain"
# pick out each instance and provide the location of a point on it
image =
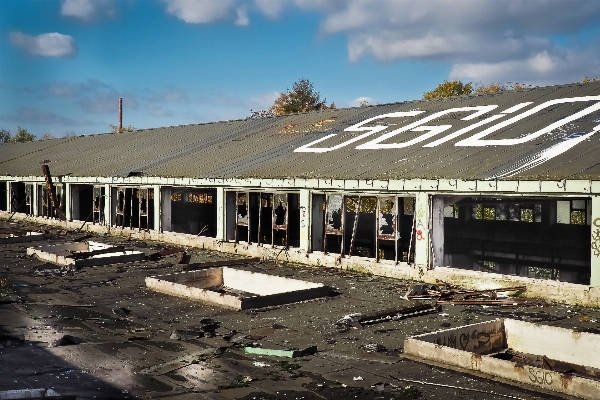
(324, 122)
(565, 381)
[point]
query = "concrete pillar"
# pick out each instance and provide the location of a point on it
(422, 243)
(221, 211)
(72, 203)
(165, 209)
(595, 264)
(437, 232)
(34, 200)
(8, 186)
(157, 209)
(108, 210)
(305, 219)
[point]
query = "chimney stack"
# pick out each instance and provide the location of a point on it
(120, 114)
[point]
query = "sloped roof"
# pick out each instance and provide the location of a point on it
(541, 133)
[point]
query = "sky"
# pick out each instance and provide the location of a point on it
(65, 63)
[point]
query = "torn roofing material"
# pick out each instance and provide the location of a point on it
(541, 133)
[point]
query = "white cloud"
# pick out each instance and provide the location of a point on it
(202, 11)
(469, 35)
(242, 17)
(46, 45)
(87, 9)
(270, 8)
(107, 102)
(362, 100)
(171, 95)
(263, 101)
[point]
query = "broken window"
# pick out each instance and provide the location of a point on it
(387, 234)
(266, 218)
(135, 208)
(17, 197)
(360, 215)
(334, 227)
(408, 230)
(47, 209)
(194, 211)
(542, 235)
(4, 196)
(98, 205)
(29, 199)
(578, 212)
(280, 219)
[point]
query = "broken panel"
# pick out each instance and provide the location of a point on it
(98, 205)
(408, 229)
(334, 224)
(122, 207)
(242, 217)
(361, 213)
(266, 219)
(280, 219)
(4, 196)
(318, 222)
(17, 197)
(29, 199)
(143, 197)
(387, 231)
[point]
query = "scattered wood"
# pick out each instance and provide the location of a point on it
(394, 314)
(465, 296)
(166, 252)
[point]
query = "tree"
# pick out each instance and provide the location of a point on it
(22, 136)
(490, 88)
(302, 98)
(47, 136)
(69, 134)
(449, 89)
(5, 136)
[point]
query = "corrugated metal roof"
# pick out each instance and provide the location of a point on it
(567, 147)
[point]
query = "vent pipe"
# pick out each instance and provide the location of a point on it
(120, 114)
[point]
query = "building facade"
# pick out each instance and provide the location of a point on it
(477, 190)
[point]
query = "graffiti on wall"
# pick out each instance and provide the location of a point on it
(596, 238)
(486, 121)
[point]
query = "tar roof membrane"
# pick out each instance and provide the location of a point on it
(548, 133)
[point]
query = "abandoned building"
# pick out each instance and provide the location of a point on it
(474, 190)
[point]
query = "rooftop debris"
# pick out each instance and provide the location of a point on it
(76, 254)
(280, 353)
(466, 296)
(394, 314)
(546, 363)
(166, 252)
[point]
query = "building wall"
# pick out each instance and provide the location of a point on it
(428, 220)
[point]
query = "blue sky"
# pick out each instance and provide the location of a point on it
(65, 63)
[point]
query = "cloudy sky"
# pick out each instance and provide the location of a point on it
(65, 63)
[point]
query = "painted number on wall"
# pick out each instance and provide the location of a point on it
(540, 377)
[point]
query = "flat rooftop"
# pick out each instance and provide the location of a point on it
(99, 331)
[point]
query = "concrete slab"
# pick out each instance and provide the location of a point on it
(235, 288)
(481, 347)
(62, 254)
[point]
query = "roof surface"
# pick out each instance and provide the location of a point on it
(548, 133)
